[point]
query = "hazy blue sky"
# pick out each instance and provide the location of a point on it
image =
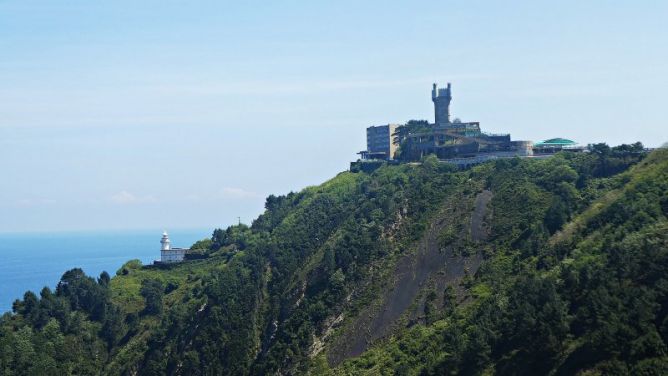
(145, 114)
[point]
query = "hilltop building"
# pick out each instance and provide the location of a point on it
(380, 142)
(448, 140)
(555, 145)
(169, 254)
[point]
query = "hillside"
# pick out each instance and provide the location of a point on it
(515, 266)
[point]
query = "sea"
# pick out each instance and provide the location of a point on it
(30, 261)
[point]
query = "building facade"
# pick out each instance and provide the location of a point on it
(380, 142)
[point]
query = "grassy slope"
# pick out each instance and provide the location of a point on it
(316, 260)
(628, 221)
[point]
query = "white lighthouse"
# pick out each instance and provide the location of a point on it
(169, 254)
(166, 243)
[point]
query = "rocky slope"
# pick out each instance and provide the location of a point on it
(512, 267)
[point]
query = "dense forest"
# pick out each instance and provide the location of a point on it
(516, 266)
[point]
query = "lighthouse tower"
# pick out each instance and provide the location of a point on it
(168, 253)
(166, 243)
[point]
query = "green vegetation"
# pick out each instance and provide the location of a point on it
(577, 282)
(573, 279)
(401, 134)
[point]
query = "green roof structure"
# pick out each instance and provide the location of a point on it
(555, 142)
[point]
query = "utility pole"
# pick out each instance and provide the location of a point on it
(239, 218)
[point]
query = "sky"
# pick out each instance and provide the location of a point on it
(187, 114)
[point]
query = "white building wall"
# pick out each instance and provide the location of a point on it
(172, 255)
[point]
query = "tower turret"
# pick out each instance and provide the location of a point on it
(165, 242)
(441, 99)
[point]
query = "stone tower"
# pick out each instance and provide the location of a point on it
(441, 99)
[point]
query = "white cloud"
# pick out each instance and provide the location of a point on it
(237, 193)
(124, 197)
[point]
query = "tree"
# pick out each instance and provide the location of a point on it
(152, 290)
(600, 149)
(449, 299)
(30, 303)
(104, 279)
(114, 326)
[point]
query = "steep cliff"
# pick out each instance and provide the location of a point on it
(512, 267)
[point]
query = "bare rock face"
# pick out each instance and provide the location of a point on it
(433, 265)
(479, 218)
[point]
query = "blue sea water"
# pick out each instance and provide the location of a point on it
(30, 261)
